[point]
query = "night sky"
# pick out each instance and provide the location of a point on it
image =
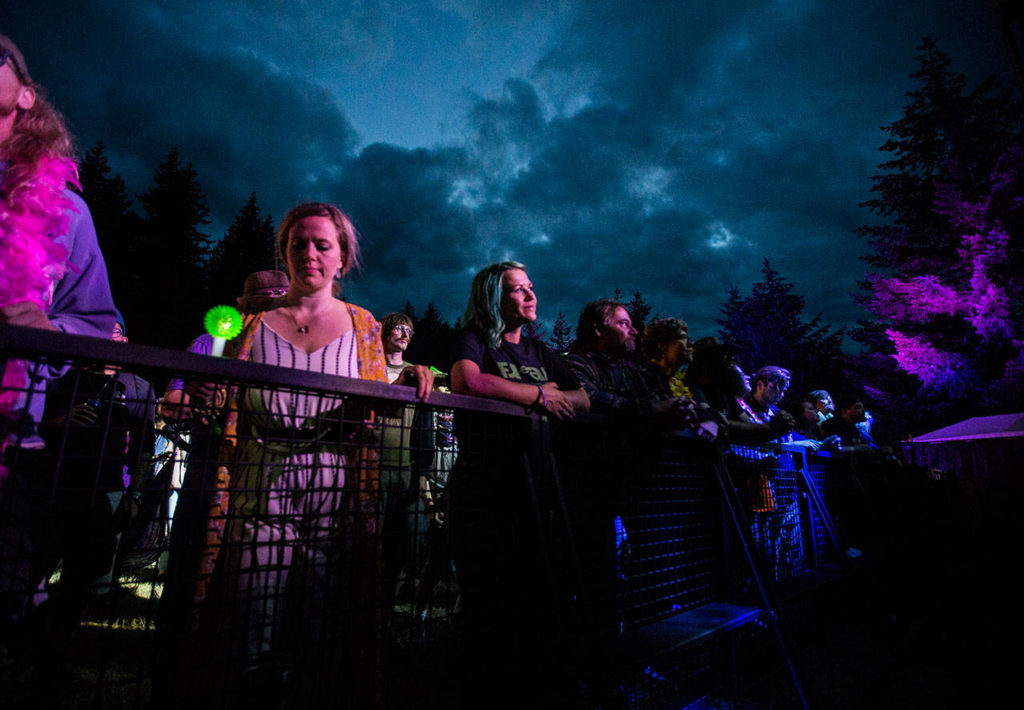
(665, 146)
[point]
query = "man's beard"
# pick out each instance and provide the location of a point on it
(8, 109)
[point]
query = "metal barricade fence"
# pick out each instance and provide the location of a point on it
(338, 544)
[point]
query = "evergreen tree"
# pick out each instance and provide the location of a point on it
(767, 328)
(946, 296)
(638, 310)
(247, 246)
(117, 228)
(561, 335)
(534, 329)
(432, 342)
(177, 253)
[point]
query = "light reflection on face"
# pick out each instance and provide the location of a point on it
(617, 334)
(398, 339)
(518, 301)
(314, 254)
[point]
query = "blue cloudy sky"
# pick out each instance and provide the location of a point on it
(661, 146)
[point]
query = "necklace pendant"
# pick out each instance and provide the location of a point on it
(303, 328)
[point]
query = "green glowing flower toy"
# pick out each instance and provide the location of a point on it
(223, 323)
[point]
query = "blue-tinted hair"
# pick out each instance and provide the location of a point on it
(483, 311)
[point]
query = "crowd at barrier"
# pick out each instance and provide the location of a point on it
(289, 516)
(600, 525)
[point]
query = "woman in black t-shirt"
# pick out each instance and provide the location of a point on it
(494, 529)
(494, 359)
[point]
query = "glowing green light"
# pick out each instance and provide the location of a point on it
(223, 322)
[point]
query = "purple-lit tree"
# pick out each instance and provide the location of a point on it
(945, 290)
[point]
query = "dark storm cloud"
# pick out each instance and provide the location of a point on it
(666, 147)
(418, 242)
(760, 121)
(242, 125)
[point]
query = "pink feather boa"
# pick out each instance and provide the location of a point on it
(33, 214)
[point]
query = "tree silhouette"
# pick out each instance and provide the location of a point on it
(638, 310)
(178, 254)
(432, 342)
(118, 227)
(247, 246)
(561, 335)
(534, 329)
(767, 328)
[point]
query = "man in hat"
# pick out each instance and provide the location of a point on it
(260, 288)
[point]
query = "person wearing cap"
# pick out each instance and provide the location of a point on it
(52, 277)
(193, 481)
(260, 288)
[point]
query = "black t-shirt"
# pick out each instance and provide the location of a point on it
(490, 446)
(529, 361)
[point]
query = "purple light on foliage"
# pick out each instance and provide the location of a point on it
(937, 370)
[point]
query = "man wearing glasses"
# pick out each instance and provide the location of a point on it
(407, 451)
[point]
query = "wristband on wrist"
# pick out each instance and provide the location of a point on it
(542, 397)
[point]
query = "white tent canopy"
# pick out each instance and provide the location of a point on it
(1000, 426)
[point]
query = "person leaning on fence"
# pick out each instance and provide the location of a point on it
(669, 351)
(865, 483)
(295, 483)
(53, 278)
(805, 420)
(407, 452)
(641, 407)
(605, 336)
(495, 541)
(715, 379)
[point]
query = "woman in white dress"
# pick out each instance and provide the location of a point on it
(297, 515)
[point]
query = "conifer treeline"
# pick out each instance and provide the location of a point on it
(944, 336)
(165, 270)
